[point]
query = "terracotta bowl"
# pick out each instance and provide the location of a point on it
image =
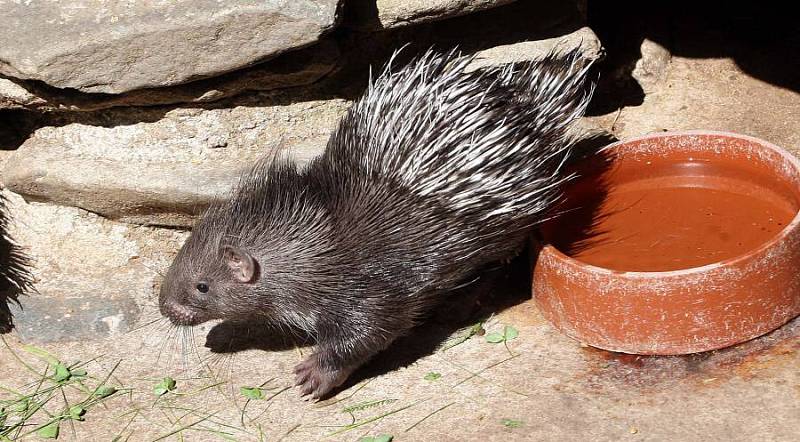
(674, 243)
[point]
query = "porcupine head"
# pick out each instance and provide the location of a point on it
(425, 181)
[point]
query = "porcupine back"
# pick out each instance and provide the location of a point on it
(464, 162)
(494, 138)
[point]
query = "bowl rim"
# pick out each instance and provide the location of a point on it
(780, 236)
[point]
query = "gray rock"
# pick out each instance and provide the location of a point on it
(166, 168)
(384, 14)
(119, 46)
(651, 69)
(85, 317)
(93, 277)
(295, 68)
(149, 193)
(14, 96)
(583, 38)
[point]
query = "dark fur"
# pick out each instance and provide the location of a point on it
(15, 278)
(354, 255)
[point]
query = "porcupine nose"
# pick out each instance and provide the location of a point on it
(171, 307)
(182, 315)
(178, 314)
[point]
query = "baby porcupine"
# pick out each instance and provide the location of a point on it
(15, 276)
(432, 174)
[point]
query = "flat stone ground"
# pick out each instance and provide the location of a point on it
(540, 386)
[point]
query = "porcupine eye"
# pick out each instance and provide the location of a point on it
(202, 287)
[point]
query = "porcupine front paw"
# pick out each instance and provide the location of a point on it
(316, 379)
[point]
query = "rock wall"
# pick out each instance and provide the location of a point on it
(142, 113)
(157, 113)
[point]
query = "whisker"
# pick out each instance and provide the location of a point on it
(153, 322)
(166, 340)
(153, 269)
(193, 343)
(184, 348)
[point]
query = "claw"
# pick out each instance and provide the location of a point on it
(315, 380)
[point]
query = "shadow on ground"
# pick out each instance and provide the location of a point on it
(498, 288)
(763, 41)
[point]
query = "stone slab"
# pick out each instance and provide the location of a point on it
(119, 46)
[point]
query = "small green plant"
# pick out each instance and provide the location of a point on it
(508, 334)
(432, 376)
(76, 412)
(380, 438)
(361, 406)
(260, 393)
(49, 431)
(367, 405)
(104, 391)
(165, 386)
(35, 411)
(20, 406)
(474, 330)
(511, 423)
(60, 396)
(254, 393)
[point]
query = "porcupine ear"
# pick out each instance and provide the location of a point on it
(243, 266)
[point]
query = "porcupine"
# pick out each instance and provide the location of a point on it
(15, 277)
(433, 173)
